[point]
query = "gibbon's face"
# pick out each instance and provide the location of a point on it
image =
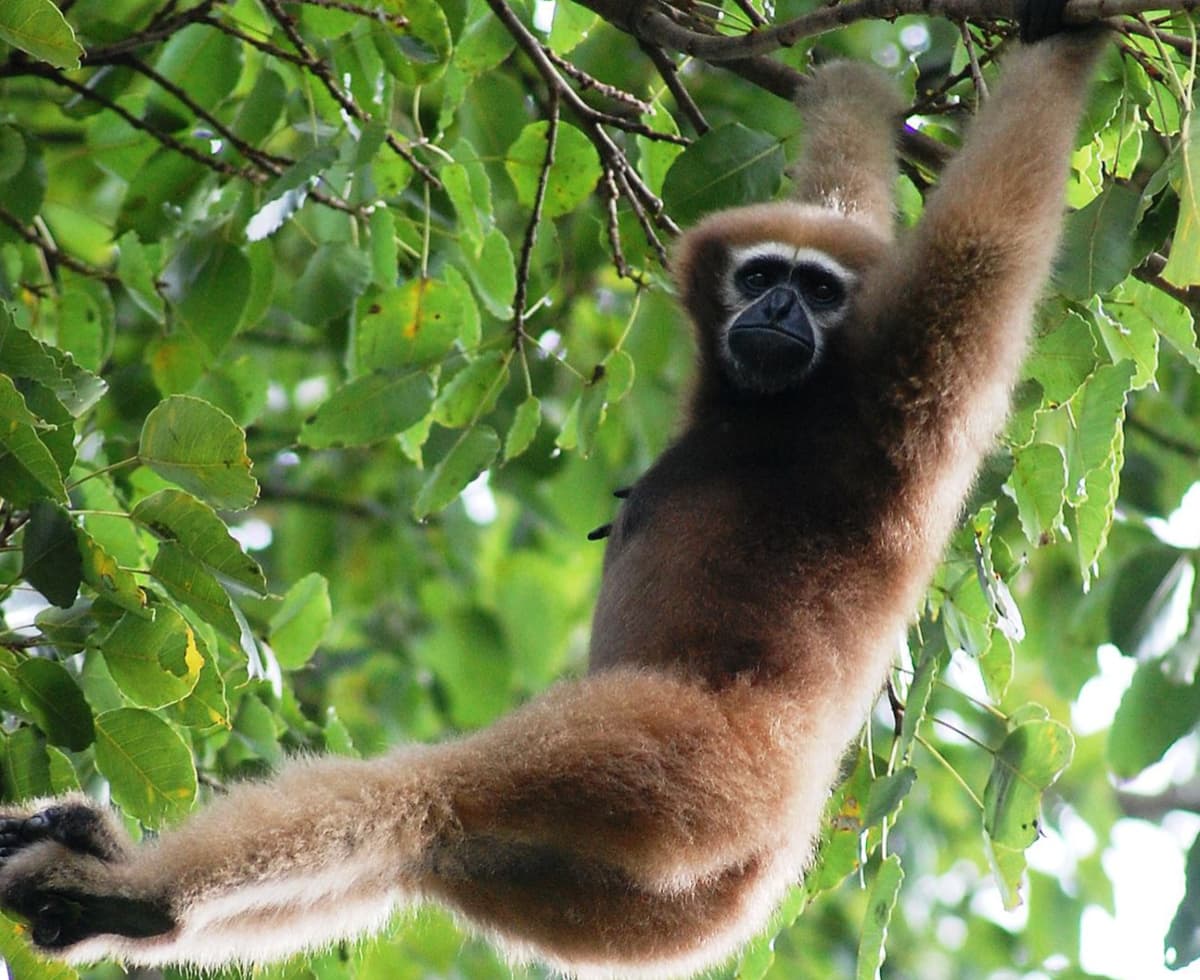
(782, 301)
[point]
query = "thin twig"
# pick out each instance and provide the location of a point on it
(321, 69)
(535, 218)
(587, 82)
(981, 90)
(670, 75)
(54, 256)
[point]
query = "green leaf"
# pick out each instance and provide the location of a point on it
(28, 470)
(385, 256)
(37, 28)
(196, 445)
(1133, 339)
(1141, 308)
(416, 54)
(1008, 869)
(573, 175)
(881, 900)
(1028, 762)
(524, 427)
(1063, 358)
(154, 662)
(26, 765)
(1038, 484)
(22, 961)
(23, 356)
(299, 625)
(368, 409)
(205, 62)
(206, 707)
(55, 702)
(1181, 946)
(494, 274)
(472, 391)
(1097, 248)
(189, 582)
(148, 765)
(104, 574)
(1183, 265)
(158, 192)
(410, 324)
(887, 793)
(727, 166)
(139, 275)
(332, 280)
(50, 554)
(210, 286)
(195, 527)
(917, 701)
(1153, 714)
(468, 457)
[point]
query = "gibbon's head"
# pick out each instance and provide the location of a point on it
(768, 285)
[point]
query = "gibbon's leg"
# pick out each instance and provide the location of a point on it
(627, 817)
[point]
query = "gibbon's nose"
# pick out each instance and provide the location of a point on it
(779, 304)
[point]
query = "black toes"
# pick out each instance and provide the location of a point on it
(76, 826)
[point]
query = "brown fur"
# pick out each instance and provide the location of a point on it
(644, 820)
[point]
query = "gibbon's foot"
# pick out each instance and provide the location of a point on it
(1041, 19)
(73, 825)
(55, 887)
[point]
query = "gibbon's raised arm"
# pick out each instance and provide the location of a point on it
(644, 821)
(963, 289)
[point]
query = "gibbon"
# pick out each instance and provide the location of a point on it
(645, 820)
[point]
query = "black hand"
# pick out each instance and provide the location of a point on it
(1041, 19)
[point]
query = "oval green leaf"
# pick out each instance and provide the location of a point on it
(56, 703)
(154, 662)
(470, 456)
(1030, 759)
(473, 391)
(299, 625)
(148, 765)
(39, 29)
(194, 444)
(50, 559)
(573, 175)
(726, 167)
(368, 409)
(177, 516)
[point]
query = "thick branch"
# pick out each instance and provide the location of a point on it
(656, 26)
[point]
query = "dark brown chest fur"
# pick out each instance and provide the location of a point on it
(750, 541)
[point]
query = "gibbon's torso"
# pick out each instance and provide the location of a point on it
(770, 536)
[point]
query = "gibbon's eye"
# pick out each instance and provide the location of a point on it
(758, 275)
(824, 291)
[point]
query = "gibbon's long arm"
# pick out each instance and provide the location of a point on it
(622, 820)
(954, 313)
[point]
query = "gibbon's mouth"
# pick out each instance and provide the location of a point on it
(769, 348)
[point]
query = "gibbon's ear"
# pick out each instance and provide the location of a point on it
(851, 112)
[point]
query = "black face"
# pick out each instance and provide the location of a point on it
(774, 340)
